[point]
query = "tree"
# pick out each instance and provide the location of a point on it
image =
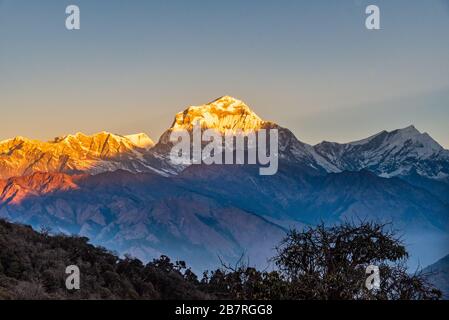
(330, 263)
(327, 263)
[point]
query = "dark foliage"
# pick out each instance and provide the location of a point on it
(330, 264)
(318, 263)
(32, 266)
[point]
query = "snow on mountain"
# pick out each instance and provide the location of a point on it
(72, 154)
(225, 113)
(388, 154)
(398, 153)
(228, 114)
(141, 140)
(294, 151)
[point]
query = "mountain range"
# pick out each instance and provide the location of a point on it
(400, 152)
(123, 192)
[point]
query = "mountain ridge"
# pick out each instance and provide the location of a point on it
(390, 153)
(73, 154)
(400, 152)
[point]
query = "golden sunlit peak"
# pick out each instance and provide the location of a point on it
(81, 135)
(79, 152)
(70, 136)
(20, 138)
(227, 100)
(223, 114)
(140, 139)
(230, 104)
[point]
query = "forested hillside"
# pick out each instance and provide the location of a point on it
(32, 266)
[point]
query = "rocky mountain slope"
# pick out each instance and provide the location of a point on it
(389, 154)
(74, 154)
(145, 215)
(203, 212)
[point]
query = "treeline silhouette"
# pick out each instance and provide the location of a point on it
(317, 263)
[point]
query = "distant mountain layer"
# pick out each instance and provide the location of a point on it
(145, 215)
(203, 213)
(439, 275)
(390, 154)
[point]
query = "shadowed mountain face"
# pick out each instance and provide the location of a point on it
(295, 197)
(439, 275)
(124, 193)
(222, 210)
(145, 215)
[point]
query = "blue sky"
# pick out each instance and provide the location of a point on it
(309, 65)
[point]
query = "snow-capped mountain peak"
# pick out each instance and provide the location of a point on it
(76, 153)
(396, 153)
(104, 139)
(228, 114)
(141, 140)
(409, 139)
(223, 114)
(423, 145)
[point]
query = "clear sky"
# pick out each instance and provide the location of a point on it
(310, 66)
